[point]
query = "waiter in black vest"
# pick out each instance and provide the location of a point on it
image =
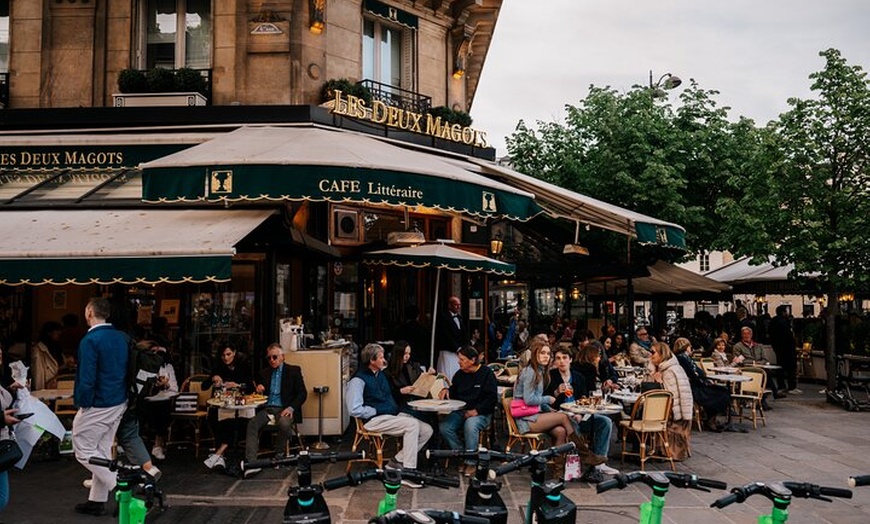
(449, 337)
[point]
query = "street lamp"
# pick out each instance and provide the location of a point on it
(666, 82)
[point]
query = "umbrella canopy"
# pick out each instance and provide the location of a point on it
(663, 279)
(438, 256)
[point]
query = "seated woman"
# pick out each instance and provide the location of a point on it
(532, 381)
(595, 369)
(46, 358)
(230, 372)
(403, 373)
(713, 398)
(567, 384)
(668, 372)
(154, 414)
(720, 353)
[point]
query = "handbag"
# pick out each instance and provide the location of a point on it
(520, 409)
(10, 454)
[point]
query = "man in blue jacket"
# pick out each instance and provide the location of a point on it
(101, 396)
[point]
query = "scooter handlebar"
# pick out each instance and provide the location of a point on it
(427, 515)
(727, 500)
(859, 480)
(525, 460)
(293, 460)
(104, 462)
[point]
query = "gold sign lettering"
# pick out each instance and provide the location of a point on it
(392, 116)
(66, 158)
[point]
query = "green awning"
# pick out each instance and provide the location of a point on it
(83, 247)
(317, 164)
(439, 256)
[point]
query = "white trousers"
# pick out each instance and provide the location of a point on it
(415, 434)
(93, 433)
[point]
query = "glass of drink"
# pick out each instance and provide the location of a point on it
(569, 390)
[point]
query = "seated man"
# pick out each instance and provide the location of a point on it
(370, 399)
(475, 385)
(748, 351)
(565, 385)
(285, 390)
(639, 350)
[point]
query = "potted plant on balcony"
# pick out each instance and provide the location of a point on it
(451, 116)
(347, 87)
(160, 87)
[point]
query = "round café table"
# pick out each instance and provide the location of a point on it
(434, 405)
(731, 381)
(51, 394)
(626, 397)
(726, 370)
(601, 409)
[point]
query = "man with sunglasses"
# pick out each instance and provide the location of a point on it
(285, 390)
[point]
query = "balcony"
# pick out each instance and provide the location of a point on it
(173, 88)
(398, 97)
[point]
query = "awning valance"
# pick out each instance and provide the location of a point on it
(561, 202)
(313, 163)
(84, 247)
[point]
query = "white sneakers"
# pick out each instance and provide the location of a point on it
(154, 472)
(607, 470)
(795, 391)
(215, 460)
(88, 483)
(157, 452)
(251, 472)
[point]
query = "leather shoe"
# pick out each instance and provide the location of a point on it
(588, 458)
(91, 508)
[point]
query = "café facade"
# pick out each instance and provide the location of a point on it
(220, 223)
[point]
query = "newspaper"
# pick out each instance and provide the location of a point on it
(428, 385)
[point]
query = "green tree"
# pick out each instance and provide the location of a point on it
(637, 152)
(809, 205)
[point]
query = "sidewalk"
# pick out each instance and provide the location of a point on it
(805, 439)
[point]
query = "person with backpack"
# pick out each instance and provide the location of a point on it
(155, 411)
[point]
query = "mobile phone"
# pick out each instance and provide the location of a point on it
(22, 416)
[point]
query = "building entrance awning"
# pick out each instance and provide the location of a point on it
(320, 164)
(129, 246)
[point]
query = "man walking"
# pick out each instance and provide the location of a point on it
(783, 343)
(370, 399)
(449, 333)
(101, 396)
(285, 393)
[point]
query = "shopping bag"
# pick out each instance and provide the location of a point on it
(573, 467)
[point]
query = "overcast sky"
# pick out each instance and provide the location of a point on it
(757, 53)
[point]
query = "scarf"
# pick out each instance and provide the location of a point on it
(644, 344)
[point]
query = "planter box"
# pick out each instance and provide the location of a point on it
(158, 99)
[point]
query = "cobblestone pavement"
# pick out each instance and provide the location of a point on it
(805, 439)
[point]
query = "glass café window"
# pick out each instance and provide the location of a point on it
(162, 21)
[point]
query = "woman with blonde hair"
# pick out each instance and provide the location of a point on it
(530, 388)
(668, 372)
(714, 399)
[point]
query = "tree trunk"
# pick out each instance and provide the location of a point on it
(831, 336)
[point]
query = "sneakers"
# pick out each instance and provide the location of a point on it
(795, 391)
(91, 508)
(157, 452)
(154, 472)
(215, 460)
(88, 483)
(411, 484)
(607, 470)
(592, 475)
(251, 472)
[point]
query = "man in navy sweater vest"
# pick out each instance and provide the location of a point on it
(370, 399)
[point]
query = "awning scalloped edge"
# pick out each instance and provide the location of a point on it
(424, 265)
(126, 281)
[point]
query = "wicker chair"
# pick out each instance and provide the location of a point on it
(649, 422)
(534, 440)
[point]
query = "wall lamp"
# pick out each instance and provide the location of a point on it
(496, 245)
(317, 16)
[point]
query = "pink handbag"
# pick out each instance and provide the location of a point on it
(520, 409)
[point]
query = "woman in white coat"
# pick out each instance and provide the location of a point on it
(668, 372)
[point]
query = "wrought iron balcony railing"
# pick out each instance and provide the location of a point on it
(396, 96)
(4, 90)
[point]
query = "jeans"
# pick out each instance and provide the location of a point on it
(471, 428)
(601, 428)
(260, 421)
(129, 438)
(4, 490)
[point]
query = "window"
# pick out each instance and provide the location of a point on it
(704, 262)
(161, 23)
(4, 36)
(382, 53)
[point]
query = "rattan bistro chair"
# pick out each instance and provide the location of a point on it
(649, 422)
(375, 441)
(751, 395)
(190, 409)
(534, 440)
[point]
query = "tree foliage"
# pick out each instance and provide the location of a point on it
(635, 151)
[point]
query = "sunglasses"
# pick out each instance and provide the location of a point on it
(274, 357)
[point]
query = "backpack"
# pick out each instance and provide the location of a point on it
(142, 368)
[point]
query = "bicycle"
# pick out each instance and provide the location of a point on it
(482, 498)
(135, 493)
(860, 480)
(305, 503)
(392, 480)
(660, 481)
(547, 504)
(780, 493)
(427, 516)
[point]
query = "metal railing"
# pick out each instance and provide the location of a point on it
(4, 90)
(398, 97)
